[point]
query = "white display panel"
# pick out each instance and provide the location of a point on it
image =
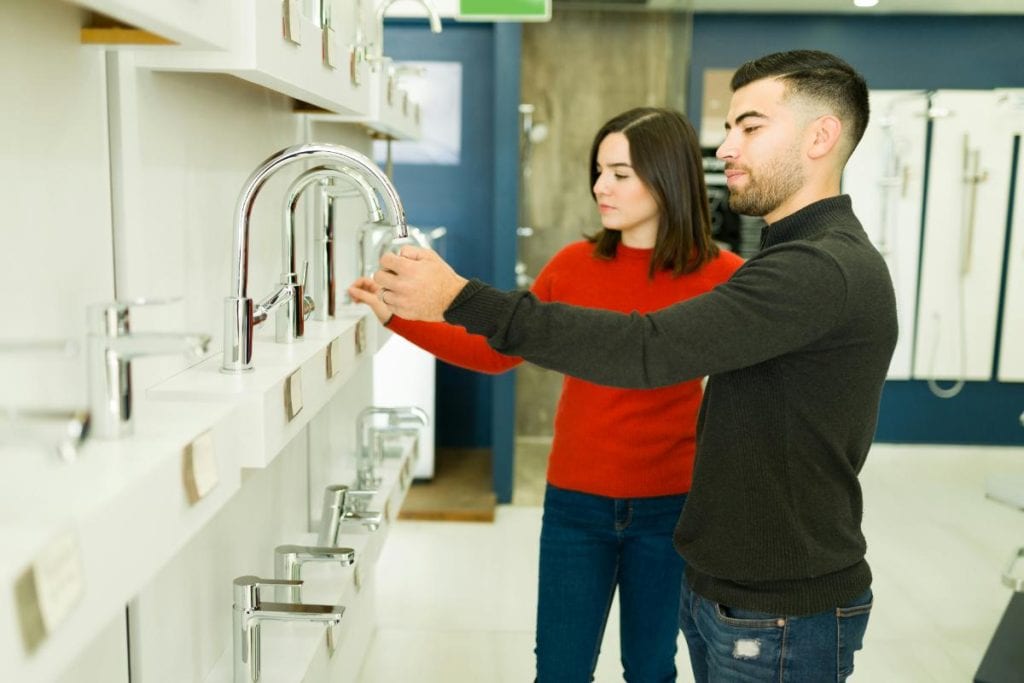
(1011, 353)
(964, 235)
(885, 180)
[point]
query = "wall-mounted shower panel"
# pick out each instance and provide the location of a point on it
(885, 180)
(1011, 347)
(964, 235)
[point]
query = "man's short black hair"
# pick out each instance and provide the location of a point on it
(818, 75)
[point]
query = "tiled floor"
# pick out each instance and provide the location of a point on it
(456, 600)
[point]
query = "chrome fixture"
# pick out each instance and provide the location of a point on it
(110, 348)
(65, 431)
(324, 304)
(249, 611)
(377, 57)
(342, 505)
(241, 317)
(367, 457)
(288, 561)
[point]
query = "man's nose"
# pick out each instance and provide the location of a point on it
(726, 150)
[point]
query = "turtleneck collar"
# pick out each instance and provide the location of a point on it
(809, 221)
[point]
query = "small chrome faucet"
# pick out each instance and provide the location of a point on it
(340, 507)
(110, 348)
(250, 610)
(323, 300)
(64, 431)
(288, 561)
(377, 48)
(366, 456)
(240, 317)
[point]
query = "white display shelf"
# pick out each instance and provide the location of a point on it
(265, 388)
(101, 527)
(295, 652)
(194, 23)
(257, 50)
(398, 117)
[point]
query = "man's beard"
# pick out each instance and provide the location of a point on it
(767, 191)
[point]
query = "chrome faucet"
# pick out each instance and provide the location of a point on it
(62, 430)
(110, 348)
(366, 457)
(377, 48)
(249, 611)
(340, 507)
(288, 561)
(241, 317)
(65, 431)
(324, 303)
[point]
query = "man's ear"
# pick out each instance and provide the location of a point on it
(827, 131)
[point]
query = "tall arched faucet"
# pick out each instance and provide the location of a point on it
(289, 326)
(377, 54)
(240, 314)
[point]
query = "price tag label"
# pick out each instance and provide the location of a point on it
(293, 395)
(199, 468)
(360, 335)
(47, 591)
(292, 21)
(333, 357)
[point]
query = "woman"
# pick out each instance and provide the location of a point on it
(619, 467)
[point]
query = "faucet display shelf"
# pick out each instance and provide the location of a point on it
(274, 420)
(296, 652)
(397, 117)
(257, 50)
(195, 23)
(104, 524)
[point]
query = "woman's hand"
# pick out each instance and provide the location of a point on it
(366, 291)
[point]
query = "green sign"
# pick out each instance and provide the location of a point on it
(505, 10)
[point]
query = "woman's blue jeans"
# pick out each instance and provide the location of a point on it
(589, 546)
(729, 645)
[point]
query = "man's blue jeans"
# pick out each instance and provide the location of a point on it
(729, 645)
(589, 546)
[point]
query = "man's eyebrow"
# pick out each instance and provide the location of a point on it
(753, 113)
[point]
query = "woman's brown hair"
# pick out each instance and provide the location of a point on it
(665, 155)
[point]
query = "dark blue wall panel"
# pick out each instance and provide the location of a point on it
(459, 197)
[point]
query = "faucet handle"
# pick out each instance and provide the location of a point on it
(279, 296)
(247, 589)
(317, 552)
(111, 317)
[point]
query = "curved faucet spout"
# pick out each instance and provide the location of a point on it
(239, 313)
(307, 152)
(432, 16)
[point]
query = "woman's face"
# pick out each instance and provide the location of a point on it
(624, 202)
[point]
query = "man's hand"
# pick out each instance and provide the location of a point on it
(366, 291)
(417, 284)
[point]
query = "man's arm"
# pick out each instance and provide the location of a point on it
(777, 302)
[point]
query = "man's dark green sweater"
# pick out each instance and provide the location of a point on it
(797, 345)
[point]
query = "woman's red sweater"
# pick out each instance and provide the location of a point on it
(620, 443)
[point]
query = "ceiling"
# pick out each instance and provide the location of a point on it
(808, 6)
(883, 6)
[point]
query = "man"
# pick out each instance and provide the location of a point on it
(796, 345)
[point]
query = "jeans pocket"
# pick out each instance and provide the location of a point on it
(741, 618)
(851, 624)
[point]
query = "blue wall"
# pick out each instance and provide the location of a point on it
(477, 202)
(915, 52)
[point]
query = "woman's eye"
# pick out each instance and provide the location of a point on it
(750, 129)
(620, 176)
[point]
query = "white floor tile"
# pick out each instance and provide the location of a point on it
(456, 600)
